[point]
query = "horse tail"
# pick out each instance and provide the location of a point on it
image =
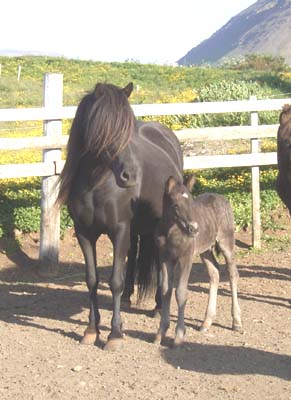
(215, 253)
(217, 249)
(147, 266)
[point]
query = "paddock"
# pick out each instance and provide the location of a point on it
(41, 357)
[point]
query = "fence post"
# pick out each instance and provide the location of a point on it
(255, 148)
(18, 72)
(50, 215)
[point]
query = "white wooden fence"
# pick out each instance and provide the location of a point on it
(52, 113)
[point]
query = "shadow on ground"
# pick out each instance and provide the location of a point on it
(220, 360)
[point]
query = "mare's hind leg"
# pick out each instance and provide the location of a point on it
(158, 296)
(227, 249)
(184, 269)
(211, 265)
(88, 247)
(167, 276)
(130, 272)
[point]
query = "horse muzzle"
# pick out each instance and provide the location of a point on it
(192, 229)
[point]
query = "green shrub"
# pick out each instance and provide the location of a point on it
(27, 219)
(224, 90)
(20, 207)
(257, 62)
(234, 90)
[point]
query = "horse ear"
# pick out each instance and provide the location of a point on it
(171, 182)
(189, 182)
(128, 89)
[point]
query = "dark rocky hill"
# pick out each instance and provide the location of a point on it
(264, 27)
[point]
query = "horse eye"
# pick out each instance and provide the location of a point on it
(175, 206)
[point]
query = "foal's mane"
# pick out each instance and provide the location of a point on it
(102, 128)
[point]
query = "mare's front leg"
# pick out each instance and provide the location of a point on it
(211, 265)
(121, 245)
(88, 246)
(184, 269)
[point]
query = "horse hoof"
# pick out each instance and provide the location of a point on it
(237, 327)
(158, 339)
(178, 342)
(203, 329)
(156, 313)
(125, 304)
(113, 344)
(90, 337)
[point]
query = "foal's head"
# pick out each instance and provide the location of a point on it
(178, 205)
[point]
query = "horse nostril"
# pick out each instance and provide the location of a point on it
(124, 176)
(190, 229)
(193, 228)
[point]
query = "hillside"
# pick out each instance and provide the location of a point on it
(153, 83)
(264, 27)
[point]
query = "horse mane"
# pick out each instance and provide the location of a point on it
(285, 115)
(102, 128)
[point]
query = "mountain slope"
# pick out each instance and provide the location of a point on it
(264, 27)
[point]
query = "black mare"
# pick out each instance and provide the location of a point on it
(283, 183)
(113, 182)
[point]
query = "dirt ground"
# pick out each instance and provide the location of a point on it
(42, 320)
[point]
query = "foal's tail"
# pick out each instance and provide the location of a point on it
(147, 266)
(216, 252)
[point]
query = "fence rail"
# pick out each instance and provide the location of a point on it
(52, 142)
(192, 135)
(184, 135)
(207, 107)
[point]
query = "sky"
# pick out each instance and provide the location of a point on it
(147, 31)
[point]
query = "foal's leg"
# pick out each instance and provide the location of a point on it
(228, 253)
(121, 244)
(156, 313)
(167, 276)
(184, 269)
(88, 246)
(210, 263)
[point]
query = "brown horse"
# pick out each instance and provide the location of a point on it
(194, 227)
(112, 182)
(283, 184)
